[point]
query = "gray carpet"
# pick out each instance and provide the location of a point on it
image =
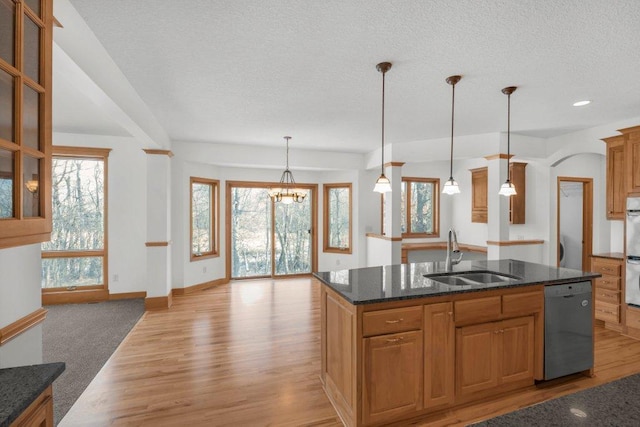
(84, 336)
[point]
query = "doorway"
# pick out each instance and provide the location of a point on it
(575, 222)
(268, 239)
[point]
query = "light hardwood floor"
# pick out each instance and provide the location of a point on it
(248, 354)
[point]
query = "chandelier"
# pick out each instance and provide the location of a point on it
(383, 185)
(287, 192)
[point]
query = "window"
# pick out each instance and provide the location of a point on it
(420, 205)
(76, 255)
(337, 218)
(204, 218)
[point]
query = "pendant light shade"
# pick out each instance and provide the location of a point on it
(287, 192)
(451, 186)
(383, 185)
(508, 189)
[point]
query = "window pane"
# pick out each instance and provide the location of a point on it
(339, 217)
(34, 5)
(31, 49)
(6, 106)
(68, 272)
(201, 219)
(31, 187)
(421, 207)
(78, 204)
(292, 239)
(403, 207)
(250, 232)
(30, 118)
(7, 30)
(6, 184)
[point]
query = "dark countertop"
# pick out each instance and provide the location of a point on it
(22, 385)
(612, 255)
(406, 281)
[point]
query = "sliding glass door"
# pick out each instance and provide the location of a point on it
(268, 239)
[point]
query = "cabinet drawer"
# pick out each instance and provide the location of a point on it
(478, 309)
(524, 303)
(609, 267)
(393, 320)
(607, 312)
(633, 318)
(608, 282)
(607, 295)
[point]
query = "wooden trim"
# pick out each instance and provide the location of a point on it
(127, 295)
(151, 244)
(72, 254)
(21, 325)
(326, 188)
(11, 242)
(587, 218)
(158, 152)
(629, 130)
(514, 242)
(442, 245)
(199, 287)
(393, 164)
(215, 218)
(78, 296)
(57, 23)
(498, 156)
(82, 152)
(158, 303)
(379, 236)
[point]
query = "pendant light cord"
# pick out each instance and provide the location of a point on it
(453, 101)
(508, 137)
(382, 165)
(287, 138)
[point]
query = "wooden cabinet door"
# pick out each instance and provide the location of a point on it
(479, 189)
(392, 376)
(632, 155)
(476, 358)
(616, 188)
(516, 350)
(439, 353)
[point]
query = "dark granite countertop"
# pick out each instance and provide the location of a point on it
(22, 385)
(406, 281)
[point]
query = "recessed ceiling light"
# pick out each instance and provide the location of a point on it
(581, 103)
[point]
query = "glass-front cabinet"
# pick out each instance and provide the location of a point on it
(25, 121)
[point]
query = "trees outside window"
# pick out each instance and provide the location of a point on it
(337, 218)
(204, 218)
(420, 207)
(76, 255)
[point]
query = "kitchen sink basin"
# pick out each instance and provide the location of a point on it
(471, 278)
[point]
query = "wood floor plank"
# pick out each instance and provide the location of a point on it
(248, 354)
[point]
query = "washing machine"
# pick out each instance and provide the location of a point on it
(562, 254)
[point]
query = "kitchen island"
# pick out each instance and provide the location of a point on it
(409, 340)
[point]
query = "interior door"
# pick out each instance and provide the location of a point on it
(292, 237)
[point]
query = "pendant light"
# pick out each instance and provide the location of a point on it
(287, 192)
(383, 185)
(451, 186)
(508, 189)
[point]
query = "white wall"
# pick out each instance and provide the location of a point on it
(571, 202)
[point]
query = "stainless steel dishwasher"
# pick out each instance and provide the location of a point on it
(568, 329)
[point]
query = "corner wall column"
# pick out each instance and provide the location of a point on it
(498, 214)
(158, 229)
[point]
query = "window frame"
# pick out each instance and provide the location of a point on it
(326, 188)
(90, 154)
(436, 206)
(215, 218)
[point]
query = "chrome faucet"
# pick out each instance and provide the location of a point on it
(452, 247)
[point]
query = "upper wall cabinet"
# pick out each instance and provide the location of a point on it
(632, 156)
(25, 121)
(517, 205)
(479, 188)
(616, 191)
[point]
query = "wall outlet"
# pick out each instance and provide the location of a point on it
(337, 262)
(520, 237)
(116, 277)
(204, 270)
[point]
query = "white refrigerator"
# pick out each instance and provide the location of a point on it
(633, 251)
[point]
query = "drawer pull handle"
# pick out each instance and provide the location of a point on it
(394, 321)
(392, 340)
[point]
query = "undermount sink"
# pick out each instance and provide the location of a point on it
(471, 278)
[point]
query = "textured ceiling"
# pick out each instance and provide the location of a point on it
(251, 71)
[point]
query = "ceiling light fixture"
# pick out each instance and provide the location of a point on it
(287, 192)
(508, 189)
(383, 185)
(32, 186)
(581, 103)
(451, 186)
